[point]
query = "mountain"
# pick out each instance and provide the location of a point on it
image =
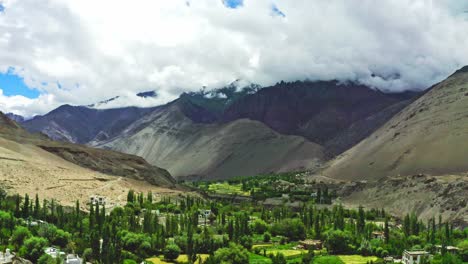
(214, 133)
(15, 117)
(329, 113)
(188, 149)
(217, 100)
(32, 163)
(416, 162)
(81, 124)
(104, 161)
(430, 136)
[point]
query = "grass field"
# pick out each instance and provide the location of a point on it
(180, 259)
(225, 188)
(356, 259)
(258, 259)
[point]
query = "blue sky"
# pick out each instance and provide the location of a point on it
(233, 3)
(12, 84)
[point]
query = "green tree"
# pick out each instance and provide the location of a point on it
(46, 259)
(171, 252)
(386, 231)
(293, 229)
(20, 234)
(131, 196)
(234, 254)
(278, 259)
(259, 226)
(33, 248)
(337, 241)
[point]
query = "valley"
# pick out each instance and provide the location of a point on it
(197, 187)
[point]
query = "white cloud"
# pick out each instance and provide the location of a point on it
(100, 49)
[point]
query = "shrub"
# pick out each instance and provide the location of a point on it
(171, 252)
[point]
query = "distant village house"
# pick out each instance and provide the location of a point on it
(97, 200)
(311, 244)
(414, 257)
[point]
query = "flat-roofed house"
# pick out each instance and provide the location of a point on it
(311, 244)
(415, 257)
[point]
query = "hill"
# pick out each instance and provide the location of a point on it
(81, 124)
(333, 114)
(169, 138)
(35, 164)
(429, 136)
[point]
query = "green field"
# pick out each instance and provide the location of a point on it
(226, 188)
(258, 259)
(356, 259)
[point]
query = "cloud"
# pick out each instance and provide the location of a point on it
(97, 50)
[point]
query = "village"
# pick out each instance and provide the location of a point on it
(266, 234)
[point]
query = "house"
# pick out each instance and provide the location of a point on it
(378, 235)
(73, 259)
(202, 214)
(54, 252)
(311, 244)
(97, 200)
(6, 258)
(450, 249)
(414, 257)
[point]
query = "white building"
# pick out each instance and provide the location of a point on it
(204, 213)
(6, 258)
(414, 257)
(97, 200)
(54, 252)
(73, 259)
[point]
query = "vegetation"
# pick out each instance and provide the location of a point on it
(194, 230)
(261, 187)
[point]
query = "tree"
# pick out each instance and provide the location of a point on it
(46, 259)
(25, 210)
(234, 254)
(37, 206)
(361, 221)
(337, 241)
(293, 229)
(386, 231)
(20, 234)
(33, 248)
(259, 226)
(309, 257)
(131, 196)
(278, 259)
(171, 252)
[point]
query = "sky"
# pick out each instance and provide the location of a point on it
(79, 52)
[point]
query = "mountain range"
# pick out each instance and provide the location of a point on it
(237, 130)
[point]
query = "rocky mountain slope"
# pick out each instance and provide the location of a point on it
(16, 118)
(169, 138)
(430, 136)
(332, 114)
(336, 115)
(425, 195)
(80, 124)
(104, 161)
